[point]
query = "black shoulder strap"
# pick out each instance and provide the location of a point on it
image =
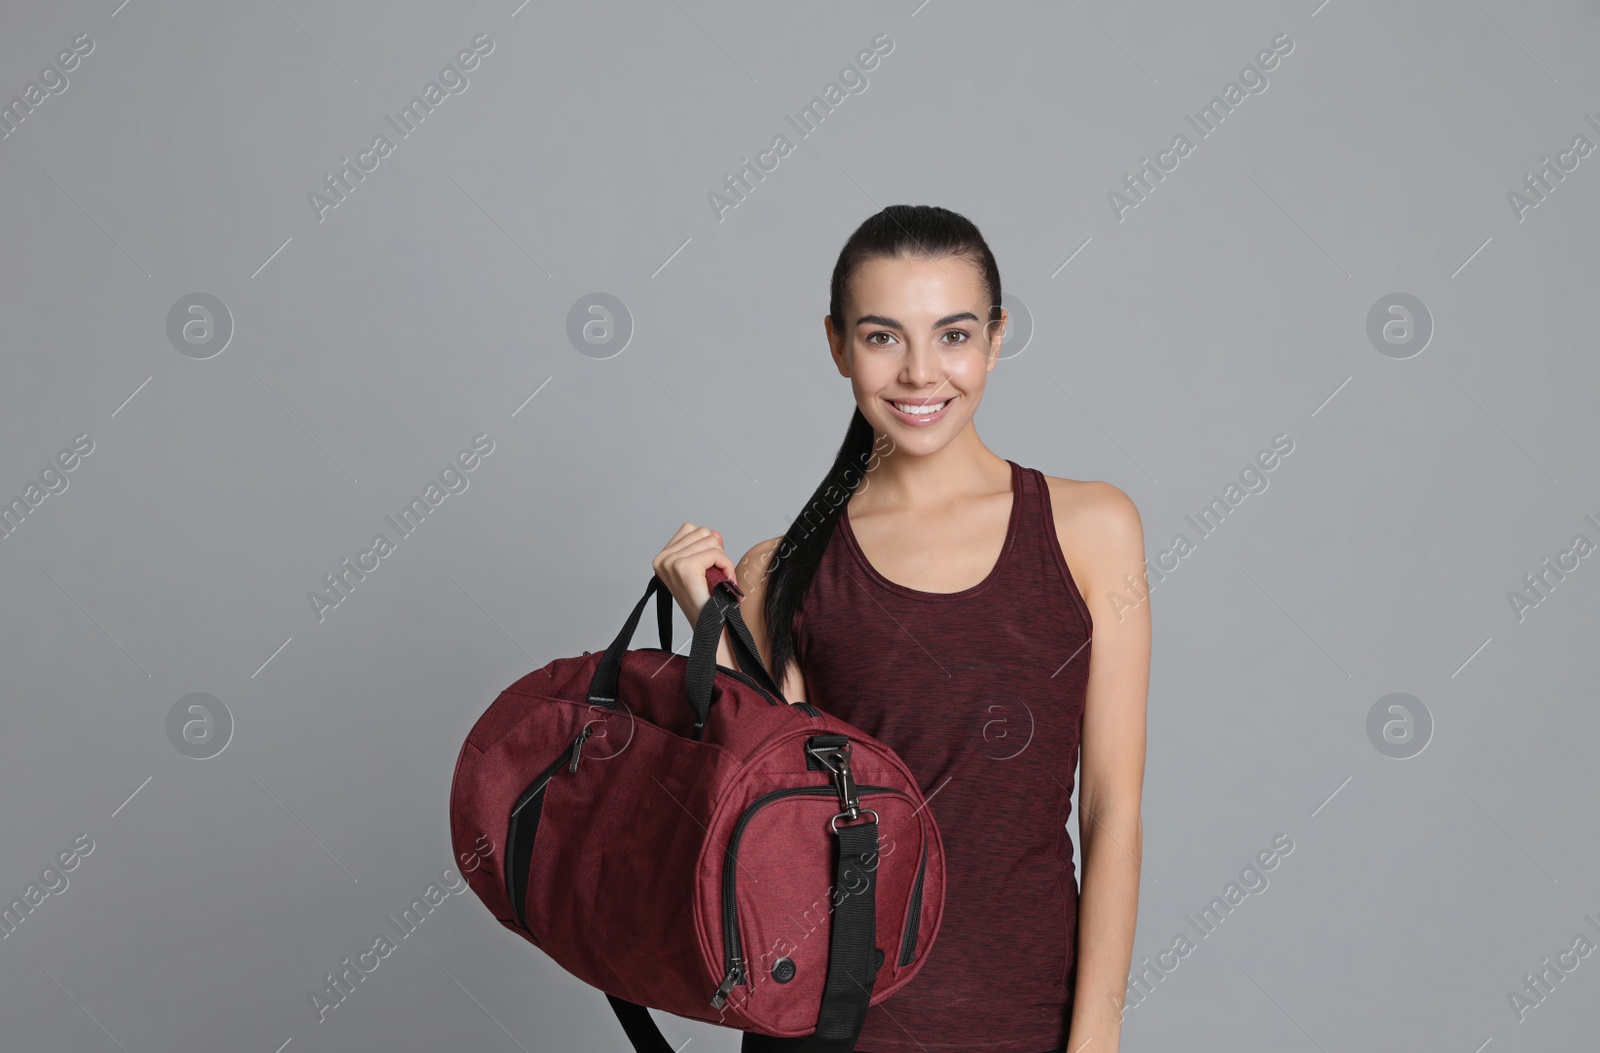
(852, 957)
(642, 1032)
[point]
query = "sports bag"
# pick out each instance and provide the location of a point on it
(674, 833)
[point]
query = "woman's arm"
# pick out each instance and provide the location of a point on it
(1103, 539)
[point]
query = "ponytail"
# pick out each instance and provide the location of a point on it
(921, 231)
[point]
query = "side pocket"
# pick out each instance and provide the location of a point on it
(908, 943)
(523, 827)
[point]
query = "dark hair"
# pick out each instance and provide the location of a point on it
(899, 231)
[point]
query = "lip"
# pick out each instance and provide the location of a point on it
(927, 420)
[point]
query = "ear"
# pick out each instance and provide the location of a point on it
(841, 361)
(996, 339)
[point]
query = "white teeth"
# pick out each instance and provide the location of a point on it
(919, 410)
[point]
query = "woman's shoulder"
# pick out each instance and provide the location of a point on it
(1097, 524)
(756, 563)
(751, 573)
(1089, 502)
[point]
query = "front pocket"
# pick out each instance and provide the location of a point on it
(732, 944)
(524, 826)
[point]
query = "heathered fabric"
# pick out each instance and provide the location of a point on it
(981, 693)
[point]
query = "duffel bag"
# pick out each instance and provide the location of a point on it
(674, 833)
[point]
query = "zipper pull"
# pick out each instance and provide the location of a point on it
(577, 747)
(735, 976)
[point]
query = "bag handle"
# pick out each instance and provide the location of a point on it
(603, 688)
(722, 608)
(745, 653)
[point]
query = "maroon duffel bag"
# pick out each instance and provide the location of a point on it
(672, 832)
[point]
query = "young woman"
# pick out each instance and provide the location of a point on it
(942, 599)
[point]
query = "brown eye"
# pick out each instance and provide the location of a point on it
(958, 332)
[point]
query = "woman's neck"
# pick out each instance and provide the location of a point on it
(959, 471)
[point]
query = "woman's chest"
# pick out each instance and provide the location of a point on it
(982, 675)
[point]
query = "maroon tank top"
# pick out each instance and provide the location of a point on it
(981, 693)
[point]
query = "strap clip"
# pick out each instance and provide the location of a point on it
(836, 758)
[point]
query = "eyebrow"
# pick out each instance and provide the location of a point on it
(949, 319)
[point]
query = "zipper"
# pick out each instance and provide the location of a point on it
(741, 675)
(518, 854)
(805, 707)
(908, 944)
(732, 950)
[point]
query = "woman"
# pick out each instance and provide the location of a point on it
(942, 599)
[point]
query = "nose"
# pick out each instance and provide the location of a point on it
(921, 366)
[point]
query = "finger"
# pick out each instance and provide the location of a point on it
(710, 555)
(693, 559)
(687, 528)
(695, 542)
(688, 535)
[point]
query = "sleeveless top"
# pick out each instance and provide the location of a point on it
(981, 693)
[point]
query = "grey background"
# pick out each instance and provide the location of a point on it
(1227, 308)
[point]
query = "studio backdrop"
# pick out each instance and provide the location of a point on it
(358, 358)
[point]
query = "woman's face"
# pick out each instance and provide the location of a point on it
(915, 335)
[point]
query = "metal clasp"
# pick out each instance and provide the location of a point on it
(833, 824)
(837, 760)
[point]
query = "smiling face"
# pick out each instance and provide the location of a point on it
(915, 336)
